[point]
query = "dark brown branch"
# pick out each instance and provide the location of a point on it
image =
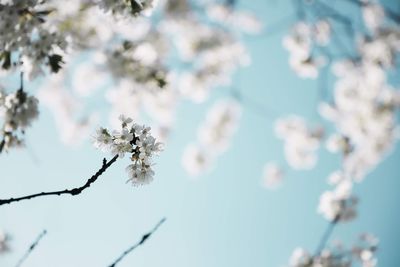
(31, 248)
(73, 192)
(144, 238)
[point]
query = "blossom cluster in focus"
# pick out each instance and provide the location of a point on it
(135, 140)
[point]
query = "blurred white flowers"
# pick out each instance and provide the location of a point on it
(17, 110)
(299, 44)
(339, 204)
(272, 175)
(362, 252)
(135, 140)
(214, 136)
(300, 142)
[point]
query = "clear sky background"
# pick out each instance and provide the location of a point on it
(223, 219)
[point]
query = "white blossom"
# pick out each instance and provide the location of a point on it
(338, 204)
(373, 15)
(221, 122)
(214, 137)
(135, 140)
(300, 258)
(17, 110)
(196, 161)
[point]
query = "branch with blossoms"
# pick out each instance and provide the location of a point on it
(361, 56)
(133, 139)
(18, 110)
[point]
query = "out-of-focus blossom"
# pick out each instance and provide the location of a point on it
(64, 106)
(339, 204)
(301, 143)
(362, 252)
(272, 175)
(17, 110)
(220, 124)
(215, 135)
(322, 32)
(373, 15)
(196, 161)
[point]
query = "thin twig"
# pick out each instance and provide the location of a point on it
(73, 192)
(144, 238)
(31, 248)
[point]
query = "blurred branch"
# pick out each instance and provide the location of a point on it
(21, 76)
(73, 192)
(253, 105)
(144, 238)
(326, 236)
(390, 13)
(31, 248)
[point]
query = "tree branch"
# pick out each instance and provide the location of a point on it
(144, 238)
(31, 248)
(73, 192)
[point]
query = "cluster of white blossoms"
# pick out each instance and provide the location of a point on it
(210, 54)
(213, 68)
(135, 140)
(300, 46)
(127, 8)
(214, 137)
(272, 175)
(362, 110)
(26, 33)
(339, 204)
(17, 110)
(362, 253)
(300, 142)
(132, 61)
(373, 15)
(364, 115)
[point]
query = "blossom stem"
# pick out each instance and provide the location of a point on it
(31, 248)
(326, 235)
(73, 192)
(144, 238)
